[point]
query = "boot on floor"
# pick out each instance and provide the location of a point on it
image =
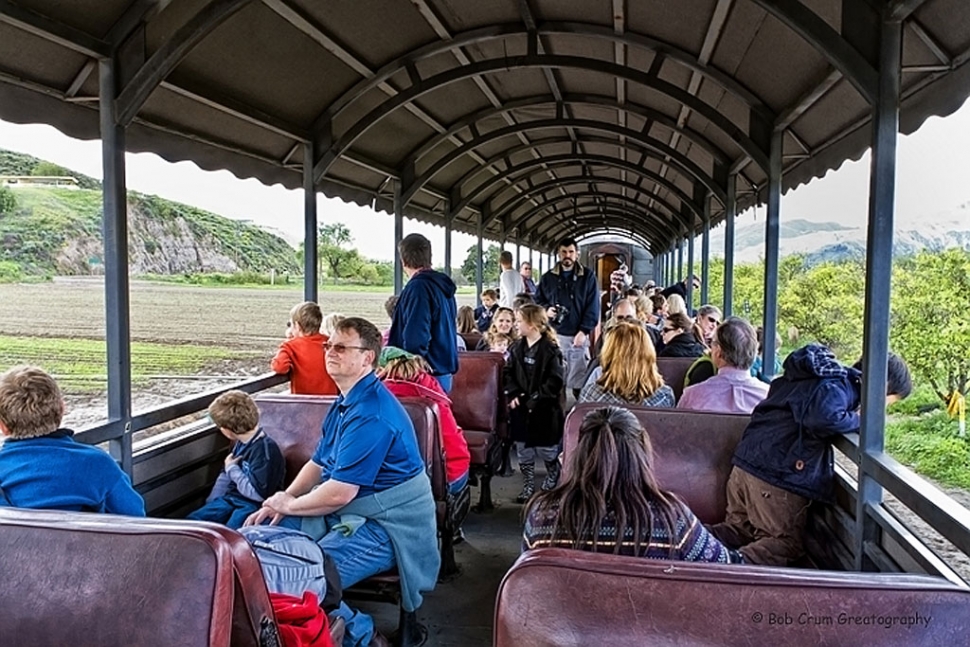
(552, 475)
(528, 482)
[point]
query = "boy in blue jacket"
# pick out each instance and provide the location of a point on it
(785, 460)
(41, 465)
(255, 467)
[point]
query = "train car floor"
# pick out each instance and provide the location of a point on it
(459, 612)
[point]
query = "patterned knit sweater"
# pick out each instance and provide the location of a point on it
(691, 542)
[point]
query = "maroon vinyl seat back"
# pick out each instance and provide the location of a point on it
(563, 598)
(471, 339)
(81, 578)
(692, 449)
(478, 401)
(295, 422)
(674, 371)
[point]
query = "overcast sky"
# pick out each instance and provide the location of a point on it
(933, 176)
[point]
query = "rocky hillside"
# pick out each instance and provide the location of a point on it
(832, 242)
(48, 230)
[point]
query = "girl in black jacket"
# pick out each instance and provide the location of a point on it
(533, 384)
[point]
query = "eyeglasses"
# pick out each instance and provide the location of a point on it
(340, 349)
(713, 320)
(666, 330)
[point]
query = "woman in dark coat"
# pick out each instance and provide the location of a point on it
(680, 338)
(533, 384)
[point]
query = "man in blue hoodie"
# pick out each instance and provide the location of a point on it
(785, 460)
(425, 318)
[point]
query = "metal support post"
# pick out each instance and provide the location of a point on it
(772, 233)
(449, 220)
(680, 262)
(879, 265)
(311, 278)
(730, 215)
(398, 235)
(706, 252)
(116, 298)
(480, 261)
(690, 271)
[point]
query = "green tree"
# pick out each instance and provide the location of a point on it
(825, 304)
(49, 169)
(930, 327)
(332, 251)
(490, 269)
(8, 201)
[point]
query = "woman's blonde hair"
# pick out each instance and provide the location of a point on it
(513, 333)
(535, 315)
(405, 369)
(644, 306)
(329, 325)
(676, 304)
(629, 363)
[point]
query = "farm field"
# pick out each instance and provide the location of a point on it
(185, 339)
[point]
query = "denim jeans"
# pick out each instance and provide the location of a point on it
(445, 381)
(458, 484)
(365, 553)
(230, 510)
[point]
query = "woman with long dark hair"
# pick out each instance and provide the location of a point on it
(611, 502)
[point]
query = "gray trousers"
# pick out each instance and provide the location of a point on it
(576, 358)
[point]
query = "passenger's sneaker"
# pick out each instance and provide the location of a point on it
(458, 537)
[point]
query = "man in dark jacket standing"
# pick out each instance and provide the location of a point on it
(425, 318)
(785, 459)
(570, 294)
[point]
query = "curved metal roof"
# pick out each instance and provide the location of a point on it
(542, 117)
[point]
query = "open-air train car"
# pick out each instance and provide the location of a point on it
(521, 121)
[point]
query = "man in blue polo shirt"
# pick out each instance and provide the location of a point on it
(364, 494)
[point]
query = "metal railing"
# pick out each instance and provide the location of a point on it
(940, 511)
(115, 430)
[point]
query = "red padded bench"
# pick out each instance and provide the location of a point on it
(478, 402)
(674, 371)
(78, 578)
(564, 598)
(295, 422)
(693, 452)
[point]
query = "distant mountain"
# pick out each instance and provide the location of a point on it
(831, 242)
(55, 230)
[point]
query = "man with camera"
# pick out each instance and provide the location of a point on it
(570, 294)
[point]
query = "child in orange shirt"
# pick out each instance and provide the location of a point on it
(301, 355)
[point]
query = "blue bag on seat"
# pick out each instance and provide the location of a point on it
(293, 563)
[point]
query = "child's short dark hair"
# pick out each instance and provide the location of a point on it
(522, 299)
(390, 304)
(30, 402)
(307, 316)
(235, 411)
(490, 293)
(898, 380)
(415, 251)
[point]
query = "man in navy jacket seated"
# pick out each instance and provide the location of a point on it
(785, 458)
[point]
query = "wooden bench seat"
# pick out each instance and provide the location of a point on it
(565, 598)
(693, 451)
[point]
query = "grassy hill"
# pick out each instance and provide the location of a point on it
(50, 230)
